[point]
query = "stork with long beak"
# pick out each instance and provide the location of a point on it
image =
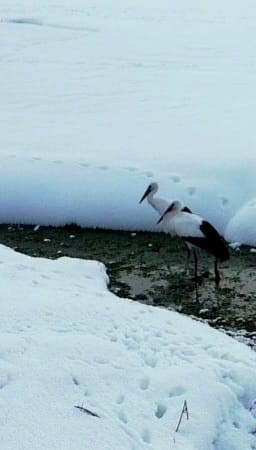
(196, 232)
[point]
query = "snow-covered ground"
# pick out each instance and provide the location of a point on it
(66, 341)
(98, 99)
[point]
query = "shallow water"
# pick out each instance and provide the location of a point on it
(153, 268)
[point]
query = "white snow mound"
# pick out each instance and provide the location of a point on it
(65, 340)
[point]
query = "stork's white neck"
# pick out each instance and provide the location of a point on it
(159, 204)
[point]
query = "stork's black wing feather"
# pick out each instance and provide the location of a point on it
(186, 209)
(213, 242)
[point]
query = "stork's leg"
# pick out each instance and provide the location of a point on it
(216, 271)
(188, 252)
(188, 256)
(195, 257)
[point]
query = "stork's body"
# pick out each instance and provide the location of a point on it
(197, 232)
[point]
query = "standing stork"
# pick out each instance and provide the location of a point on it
(160, 205)
(197, 232)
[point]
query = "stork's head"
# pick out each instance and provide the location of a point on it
(173, 209)
(151, 189)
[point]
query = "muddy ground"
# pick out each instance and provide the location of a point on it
(153, 268)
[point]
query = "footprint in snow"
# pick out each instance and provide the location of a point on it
(224, 201)
(148, 174)
(151, 361)
(120, 399)
(146, 436)
(177, 391)
(160, 410)
(101, 360)
(45, 277)
(4, 382)
(103, 167)
(75, 381)
(144, 383)
(191, 190)
(122, 416)
(175, 178)
(113, 338)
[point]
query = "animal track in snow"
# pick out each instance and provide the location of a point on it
(224, 201)
(160, 410)
(148, 174)
(4, 382)
(75, 381)
(176, 391)
(58, 161)
(84, 164)
(146, 436)
(122, 416)
(131, 346)
(151, 361)
(175, 178)
(158, 334)
(120, 399)
(191, 190)
(101, 360)
(103, 167)
(45, 276)
(144, 383)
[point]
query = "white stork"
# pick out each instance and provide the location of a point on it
(160, 205)
(197, 232)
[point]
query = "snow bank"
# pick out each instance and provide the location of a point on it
(65, 341)
(240, 228)
(96, 194)
(99, 100)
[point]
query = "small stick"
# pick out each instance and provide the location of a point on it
(86, 411)
(184, 411)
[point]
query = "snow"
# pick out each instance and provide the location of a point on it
(66, 341)
(98, 100)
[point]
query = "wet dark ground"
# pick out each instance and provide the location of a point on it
(153, 268)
